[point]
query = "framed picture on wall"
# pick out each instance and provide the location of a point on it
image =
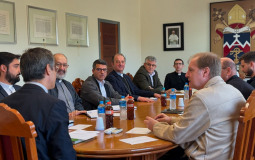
(173, 36)
(232, 28)
(7, 22)
(42, 26)
(77, 30)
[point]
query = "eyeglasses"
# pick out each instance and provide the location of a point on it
(101, 69)
(151, 65)
(60, 64)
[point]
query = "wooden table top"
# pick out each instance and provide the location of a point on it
(110, 146)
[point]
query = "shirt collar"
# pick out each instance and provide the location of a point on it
(59, 80)
(6, 86)
(120, 74)
(39, 84)
(152, 74)
(101, 83)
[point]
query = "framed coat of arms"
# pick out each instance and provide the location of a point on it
(232, 27)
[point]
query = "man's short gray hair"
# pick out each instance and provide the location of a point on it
(34, 62)
(150, 58)
(210, 60)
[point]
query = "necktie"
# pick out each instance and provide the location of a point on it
(126, 85)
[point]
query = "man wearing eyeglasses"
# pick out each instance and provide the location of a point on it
(177, 78)
(63, 89)
(95, 88)
(146, 78)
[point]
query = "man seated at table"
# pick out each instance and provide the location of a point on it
(9, 73)
(123, 84)
(247, 61)
(177, 78)
(35, 104)
(208, 127)
(146, 78)
(228, 74)
(63, 89)
(95, 88)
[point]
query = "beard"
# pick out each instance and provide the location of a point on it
(249, 72)
(12, 78)
(61, 74)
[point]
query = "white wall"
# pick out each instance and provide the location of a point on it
(195, 16)
(141, 30)
(127, 12)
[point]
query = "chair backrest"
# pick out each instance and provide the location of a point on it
(131, 76)
(245, 140)
(12, 128)
(77, 83)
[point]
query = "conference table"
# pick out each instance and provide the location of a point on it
(110, 146)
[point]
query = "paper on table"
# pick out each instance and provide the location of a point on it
(138, 140)
(83, 135)
(92, 113)
(138, 130)
(116, 107)
(116, 114)
(80, 126)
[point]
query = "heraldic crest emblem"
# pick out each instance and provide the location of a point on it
(234, 29)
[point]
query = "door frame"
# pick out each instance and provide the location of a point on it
(99, 33)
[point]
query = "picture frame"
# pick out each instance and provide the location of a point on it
(232, 28)
(42, 26)
(7, 23)
(77, 30)
(173, 36)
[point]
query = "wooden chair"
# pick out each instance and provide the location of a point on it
(12, 128)
(131, 76)
(77, 83)
(245, 140)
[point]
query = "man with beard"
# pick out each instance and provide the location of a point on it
(46, 112)
(247, 61)
(9, 73)
(63, 89)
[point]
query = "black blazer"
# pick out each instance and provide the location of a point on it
(119, 86)
(50, 118)
(3, 94)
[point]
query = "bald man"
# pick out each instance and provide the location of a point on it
(63, 89)
(229, 75)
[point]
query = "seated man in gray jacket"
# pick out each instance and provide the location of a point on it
(63, 89)
(96, 89)
(146, 78)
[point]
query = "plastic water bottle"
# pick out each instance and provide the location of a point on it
(172, 105)
(101, 110)
(186, 91)
(163, 97)
(123, 108)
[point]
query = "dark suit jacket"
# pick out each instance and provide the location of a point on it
(241, 85)
(3, 94)
(172, 80)
(50, 118)
(252, 81)
(142, 80)
(119, 86)
(76, 99)
(91, 93)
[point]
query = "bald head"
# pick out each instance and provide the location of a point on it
(228, 68)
